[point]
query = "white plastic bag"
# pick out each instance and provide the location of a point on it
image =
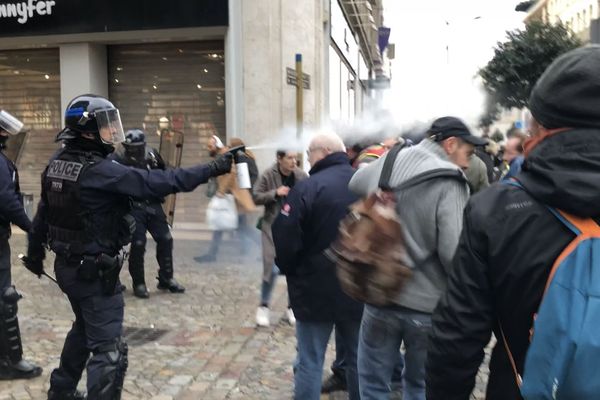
(221, 213)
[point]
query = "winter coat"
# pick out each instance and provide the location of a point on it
(477, 174)
(507, 248)
(431, 216)
(264, 193)
(305, 228)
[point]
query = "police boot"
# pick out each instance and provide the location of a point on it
(141, 291)
(136, 270)
(12, 365)
(169, 284)
(66, 395)
(165, 272)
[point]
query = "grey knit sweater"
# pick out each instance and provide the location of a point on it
(431, 214)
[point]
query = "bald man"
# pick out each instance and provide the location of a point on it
(306, 226)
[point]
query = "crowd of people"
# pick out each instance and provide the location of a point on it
(484, 231)
(484, 245)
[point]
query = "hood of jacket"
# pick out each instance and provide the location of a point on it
(563, 172)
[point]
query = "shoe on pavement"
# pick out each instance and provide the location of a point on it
(20, 370)
(334, 383)
(291, 318)
(141, 291)
(205, 258)
(170, 284)
(262, 316)
(66, 395)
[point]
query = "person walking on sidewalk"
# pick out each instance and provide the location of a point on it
(271, 191)
(227, 184)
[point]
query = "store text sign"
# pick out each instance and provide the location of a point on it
(24, 11)
(60, 17)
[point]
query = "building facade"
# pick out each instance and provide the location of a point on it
(577, 15)
(205, 66)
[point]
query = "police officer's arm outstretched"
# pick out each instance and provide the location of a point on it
(83, 218)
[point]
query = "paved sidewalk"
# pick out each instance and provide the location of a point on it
(203, 344)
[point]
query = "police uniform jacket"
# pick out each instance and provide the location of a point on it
(11, 202)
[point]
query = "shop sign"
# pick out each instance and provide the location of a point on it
(57, 17)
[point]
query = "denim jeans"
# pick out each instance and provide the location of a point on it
(382, 332)
(338, 366)
(312, 339)
(266, 288)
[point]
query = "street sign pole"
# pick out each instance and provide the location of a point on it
(299, 105)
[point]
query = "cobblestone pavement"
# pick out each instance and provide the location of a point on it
(206, 345)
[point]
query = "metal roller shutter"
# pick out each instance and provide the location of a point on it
(30, 89)
(184, 82)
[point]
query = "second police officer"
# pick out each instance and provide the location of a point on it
(149, 215)
(12, 364)
(84, 203)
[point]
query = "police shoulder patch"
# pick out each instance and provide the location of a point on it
(61, 169)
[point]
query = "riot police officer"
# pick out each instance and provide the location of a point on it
(83, 217)
(149, 215)
(12, 365)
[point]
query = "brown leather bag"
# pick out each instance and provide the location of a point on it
(369, 252)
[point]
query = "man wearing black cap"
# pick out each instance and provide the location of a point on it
(431, 214)
(511, 239)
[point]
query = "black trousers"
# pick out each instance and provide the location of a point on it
(98, 324)
(154, 222)
(5, 276)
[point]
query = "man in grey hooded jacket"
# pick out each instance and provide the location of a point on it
(431, 215)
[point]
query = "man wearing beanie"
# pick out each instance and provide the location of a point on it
(510, 239)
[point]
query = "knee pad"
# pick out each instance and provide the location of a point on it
(10, 335)
(139, 243)
(110, 384)
(165, 240)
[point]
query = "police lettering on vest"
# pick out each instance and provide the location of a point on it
(61, 169)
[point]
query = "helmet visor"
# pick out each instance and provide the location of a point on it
(9, 123)
(109, 126)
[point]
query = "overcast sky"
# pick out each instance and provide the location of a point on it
(428, 81)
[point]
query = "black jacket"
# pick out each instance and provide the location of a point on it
(305, 227)
(11, 202)
(509, 243)
(104, 186)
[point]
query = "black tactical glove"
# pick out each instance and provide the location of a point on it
(221, 165)
(34, 264)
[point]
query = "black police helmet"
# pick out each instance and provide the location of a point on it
(135, 137)
(87, 103)
(89, 113)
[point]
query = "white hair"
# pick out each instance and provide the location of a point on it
(329, 141)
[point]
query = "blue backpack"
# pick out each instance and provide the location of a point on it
(563, 360)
